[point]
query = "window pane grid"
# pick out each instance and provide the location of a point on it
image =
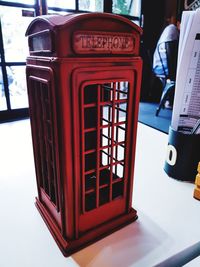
(104, 114)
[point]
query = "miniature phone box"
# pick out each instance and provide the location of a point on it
(83, 77)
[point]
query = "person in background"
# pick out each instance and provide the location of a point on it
(170, 33)
(160, 66)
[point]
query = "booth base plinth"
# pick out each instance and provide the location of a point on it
(69, 247)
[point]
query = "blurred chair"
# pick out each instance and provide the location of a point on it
(168, 79)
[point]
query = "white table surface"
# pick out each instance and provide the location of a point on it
(169, 216)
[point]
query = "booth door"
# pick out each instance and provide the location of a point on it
(104, 114)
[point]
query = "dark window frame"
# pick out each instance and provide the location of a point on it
(40, 8)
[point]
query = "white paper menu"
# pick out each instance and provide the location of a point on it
(186, 111)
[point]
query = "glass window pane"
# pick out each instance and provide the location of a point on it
(3, 105)
(29, 2)
(91, 5)
(15, 43)
(136, 22)
(61, 4)
(127, 7)
(135, 8)
(53, 12)
(18, 89)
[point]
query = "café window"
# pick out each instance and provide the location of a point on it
(14, 46)
(127, 8)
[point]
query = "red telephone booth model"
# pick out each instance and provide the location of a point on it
(83, 77)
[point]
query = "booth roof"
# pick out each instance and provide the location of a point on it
(63, 20)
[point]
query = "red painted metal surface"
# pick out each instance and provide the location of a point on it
(83, 87)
